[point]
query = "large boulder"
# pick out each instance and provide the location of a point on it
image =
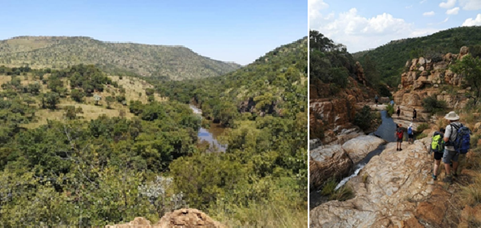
(386, 191)
(359, 147)
(327, 161)
(181, 218)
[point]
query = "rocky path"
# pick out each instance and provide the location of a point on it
(395, 182)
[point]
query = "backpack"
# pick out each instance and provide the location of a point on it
(399, 133)
(437, 143)
(461, 143)
(410, 130)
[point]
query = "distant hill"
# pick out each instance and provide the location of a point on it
(391, 58)
(170, 62)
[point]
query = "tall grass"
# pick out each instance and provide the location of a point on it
(266, 215)
(471, 194)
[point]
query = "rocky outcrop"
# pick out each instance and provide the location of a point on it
(388, 194)
(326, 162)
(360, 73)
(335, 160)
(359, 147)
(423, 78)
(333, 115)
(181, 218)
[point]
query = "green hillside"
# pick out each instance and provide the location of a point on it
(171, 62)
(390, 59)
(70, 159)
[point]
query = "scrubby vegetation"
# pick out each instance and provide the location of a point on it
(433, 105)
(166, 62)
(141, 157)
(391, 58)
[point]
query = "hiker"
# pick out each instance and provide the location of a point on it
(437, 147)
(451, 137)
(375, 99)
(392, 103)
(410, 134)
(399, 137)
(414, 115)
(398, 111)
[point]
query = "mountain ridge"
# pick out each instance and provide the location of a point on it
(174, 62)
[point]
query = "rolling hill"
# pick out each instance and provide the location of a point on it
(168, 62)
(390, 58)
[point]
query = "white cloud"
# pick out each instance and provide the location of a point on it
(452, 11)
(315, 6)
(445, 20)
(431, 13)
(470, 4)
(471, 22)
(448, 4)
(423, 1)
(409, 7)
(314, 11)
(360, 33)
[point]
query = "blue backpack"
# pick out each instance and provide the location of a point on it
(410, 130)
(461, 143)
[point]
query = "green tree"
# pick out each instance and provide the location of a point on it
(77, 95)
(51, 100)
(109, 100)
(470, 69)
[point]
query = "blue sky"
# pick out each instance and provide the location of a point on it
(362, 25)
(239, 31)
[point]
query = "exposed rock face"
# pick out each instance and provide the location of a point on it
(333, 114)
(360, 73)
(181, 218)
(326, 162)
(423, 78)
(396, 180)
(188, 218)
(359, 147)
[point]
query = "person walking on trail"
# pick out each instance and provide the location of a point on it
(392, 103)
(376, 99)
(398, 112)
(399, 137)
(414, 115)
(410, 134)
(437, 147)
(450, 155)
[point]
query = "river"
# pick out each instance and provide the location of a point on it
(385, 131)
(209, 136)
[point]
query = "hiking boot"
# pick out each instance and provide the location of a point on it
(451, 165)
(435, 177)
(455, 175)
(448, 179)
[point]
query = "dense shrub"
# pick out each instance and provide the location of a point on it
(364, 118)
(433, 105)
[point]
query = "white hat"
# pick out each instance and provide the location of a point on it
(410, 124)
(451, 116)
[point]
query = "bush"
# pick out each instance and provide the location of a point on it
(342, 194)
(433, 106)
(422, 135)
(422, 127)
(364, 118)
(390, 110)
(329, 187)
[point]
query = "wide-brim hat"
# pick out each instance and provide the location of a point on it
(411, 124)
(451, 116)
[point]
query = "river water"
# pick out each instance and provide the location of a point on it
(209, 136)
(385, 131)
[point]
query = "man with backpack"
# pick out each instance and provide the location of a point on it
(410, 133)
(399, 137)
(437, 147)
(457, 139)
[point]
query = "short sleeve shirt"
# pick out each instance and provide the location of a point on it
(451, 133)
